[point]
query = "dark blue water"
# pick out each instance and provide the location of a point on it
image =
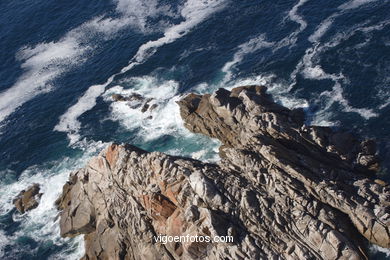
(61, 61)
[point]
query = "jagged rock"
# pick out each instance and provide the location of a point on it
(153, 107)
(28, 199)
(282, 190)
(145, 107)
(136, 101)
(118, 97)
(136, 97)
(132, 97)
(368, 147)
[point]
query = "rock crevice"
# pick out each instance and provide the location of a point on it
(282, 189)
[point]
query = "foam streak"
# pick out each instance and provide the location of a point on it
(193, 11)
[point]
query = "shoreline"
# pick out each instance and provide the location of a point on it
(129, 195)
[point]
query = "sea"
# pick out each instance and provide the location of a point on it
(62, 60)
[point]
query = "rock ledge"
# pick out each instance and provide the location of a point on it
(282, 190)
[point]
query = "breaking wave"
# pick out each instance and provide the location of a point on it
(193, 12)
(45, 62)
(42, 224)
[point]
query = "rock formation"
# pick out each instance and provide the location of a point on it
(28, 199)
(282, 190)
(136, 101)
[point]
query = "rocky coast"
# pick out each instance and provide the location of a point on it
(282, 189)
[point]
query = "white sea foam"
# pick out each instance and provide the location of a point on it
(68, 122)
(310, 70)
(322, 28)
(355, 4)
(385, 104)
(191, 50)
(278, 89)
(162, 121)
(333, 96)
(254, 44)
(165, 117)
(138, 13)
(309, 66)
(258, 42)
(193, 12)
(46, 61)
(41, 223)
(41, 64)
(375, 249)
(3, 242)
(294, 16)
(313, 71)
(327, 23)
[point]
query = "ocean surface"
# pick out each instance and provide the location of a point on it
(62, 60)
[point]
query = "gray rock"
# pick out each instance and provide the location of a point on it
(282, 190)
(118, 97)
(145, 108)
(28, 199)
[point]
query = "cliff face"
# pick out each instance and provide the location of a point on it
(281, 189)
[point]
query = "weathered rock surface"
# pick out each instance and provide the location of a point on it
(28, 199)
(282, 190)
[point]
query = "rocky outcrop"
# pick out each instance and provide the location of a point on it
(136, 101)
(28, 199)
(282, 190)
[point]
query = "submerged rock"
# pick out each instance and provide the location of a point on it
(136, 101)
(118, 97)
(132, 97)
(153, 107)
(282, 190)
(28, 199)
(145, 108)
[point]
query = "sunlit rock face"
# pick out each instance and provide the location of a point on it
(281, 190)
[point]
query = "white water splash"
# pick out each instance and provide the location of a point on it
(193, 11)
(46, 61)
(165, 117)
(162, 121)
(41, 224)
(375, 249)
